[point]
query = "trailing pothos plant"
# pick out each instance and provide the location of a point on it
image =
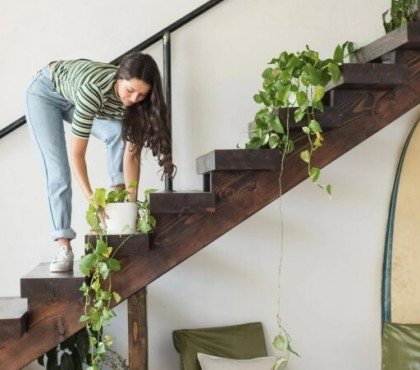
(401, 12)
(296, 84)
(98, 264)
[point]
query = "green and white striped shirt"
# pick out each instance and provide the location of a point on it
(90, 87)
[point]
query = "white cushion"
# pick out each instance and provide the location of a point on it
(208, 362)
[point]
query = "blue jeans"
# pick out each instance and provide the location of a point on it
(45, 111)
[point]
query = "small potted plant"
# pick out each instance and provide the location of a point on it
(113, 211)
(121, 213)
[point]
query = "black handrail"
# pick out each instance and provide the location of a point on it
(145, 44)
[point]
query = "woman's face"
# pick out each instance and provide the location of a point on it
(131, 91)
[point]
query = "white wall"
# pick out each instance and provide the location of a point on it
(332, 249)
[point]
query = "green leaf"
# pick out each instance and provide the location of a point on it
(301, 98)
(293, 62)
(92, 219)
(257, 98)
(319, 93)
(305, 156)
(299, 114)
(84, 288)
(306, 129)
(100, 196)
(101, 348)
(317, 143)
(285, 76)
(103, 270)
(152, 221)
(318, 105)
(338, 54)
(335, 72)
(273, 142)
(314, 126)
(314, 173)
(133, 184)
(92, 341)
(117, 297)
(313, 75)
(268, 73)
(111, 196)
(265, 97)
(254, 143)
(265, 141)
(101, 247)
(145, 227)
(114, 265)
(328, 188)
(280, 342)
(281, 362)
(284, 94)
(150, 191)
(290, 349)
(87, 262)
(84, 318)
(276, 124)
(284, 57)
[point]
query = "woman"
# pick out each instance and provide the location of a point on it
(122, 106)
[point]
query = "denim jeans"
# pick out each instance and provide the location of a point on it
(45, 111)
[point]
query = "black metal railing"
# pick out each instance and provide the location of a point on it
(163, 35)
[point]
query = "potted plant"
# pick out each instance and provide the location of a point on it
(113, 210)
(401, 12)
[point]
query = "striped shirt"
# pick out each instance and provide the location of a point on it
(90, 87)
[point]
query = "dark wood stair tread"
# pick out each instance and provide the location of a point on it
(173, 202)
(405, 37)
(40, 283)
(13, 315)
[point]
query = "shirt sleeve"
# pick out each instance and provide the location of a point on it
(88, 102)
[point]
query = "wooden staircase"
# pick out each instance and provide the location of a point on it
(236, 184)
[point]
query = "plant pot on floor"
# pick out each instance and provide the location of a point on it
(122, 218)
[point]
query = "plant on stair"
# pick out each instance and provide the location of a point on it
(401, 12)
(294, 84)
(98, 264)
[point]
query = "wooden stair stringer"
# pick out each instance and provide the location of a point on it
(239, 194)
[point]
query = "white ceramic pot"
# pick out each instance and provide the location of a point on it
(122, 218)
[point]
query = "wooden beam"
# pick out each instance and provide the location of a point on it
(137, 330)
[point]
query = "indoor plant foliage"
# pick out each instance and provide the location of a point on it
(98, 264)
(295, 82)
(401, 12)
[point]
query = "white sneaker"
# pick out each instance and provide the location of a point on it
(63, 261)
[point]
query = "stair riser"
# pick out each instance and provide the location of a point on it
(180, 203)
(12, 329)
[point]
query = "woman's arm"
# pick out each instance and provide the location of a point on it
(131, 170)
(77, 158)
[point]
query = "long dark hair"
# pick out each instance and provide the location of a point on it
(145, 123)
